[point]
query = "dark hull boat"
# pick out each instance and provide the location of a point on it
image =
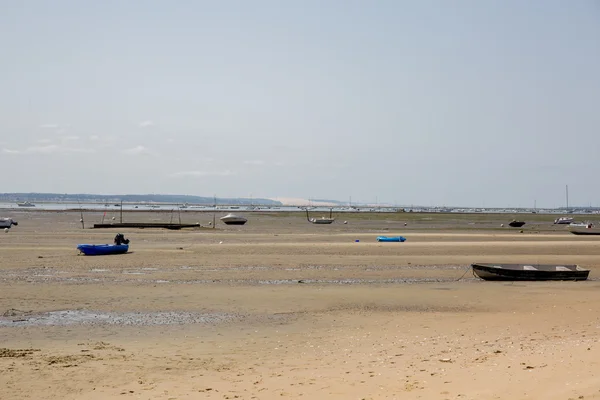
(530, 272)
(516, 224)
(7, 222)
(584, 229)
(141, 225)
(102, 249)
(322, 220)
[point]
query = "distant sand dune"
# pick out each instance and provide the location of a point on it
(296, 201)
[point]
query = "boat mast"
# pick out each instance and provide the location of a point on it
(81, 211)
(214, 209)
(567, 195)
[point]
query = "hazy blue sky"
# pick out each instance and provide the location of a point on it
(477, 102)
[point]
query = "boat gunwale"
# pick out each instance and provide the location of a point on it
(488, 271)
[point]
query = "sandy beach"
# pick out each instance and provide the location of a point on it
(280, 308)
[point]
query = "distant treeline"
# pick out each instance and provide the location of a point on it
(131, 198)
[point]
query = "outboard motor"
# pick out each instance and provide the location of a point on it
(120, 239)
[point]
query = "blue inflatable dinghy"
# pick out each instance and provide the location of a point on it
(102, 249)
(391, 239)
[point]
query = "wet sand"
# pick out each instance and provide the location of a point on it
(283, 308)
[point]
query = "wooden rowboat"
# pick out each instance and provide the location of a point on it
(530, 272)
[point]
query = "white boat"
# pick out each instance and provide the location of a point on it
(563, 220)
(7, 223)
(321, 221)
(232, 219)
(586, 228)
(25, 204)
(587, 225)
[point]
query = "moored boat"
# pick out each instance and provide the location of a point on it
(516, 224)
(583, 229)
(322, 220)
(564, 220)
(7, 222)
(530, 272)
(25, 204)
(102, 249)
(581, 224)
(391, 239)
(232, 219)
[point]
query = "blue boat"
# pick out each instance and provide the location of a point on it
(102, 249)
(391, 239)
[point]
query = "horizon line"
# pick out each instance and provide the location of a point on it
(303, 200)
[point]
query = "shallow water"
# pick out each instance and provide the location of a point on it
(85, 317)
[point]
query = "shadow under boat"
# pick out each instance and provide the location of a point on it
(530, 272)
(159, 225)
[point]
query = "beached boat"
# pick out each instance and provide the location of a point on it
(232, 219)
(391, 239)
(581, 224)
(322, 220)
(25, 204)
(516, 224)
(564, 220)
(7, 222)
(530, 272)
(102, 249)
(584, 228)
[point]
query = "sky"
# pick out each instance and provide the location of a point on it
(482, 103)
